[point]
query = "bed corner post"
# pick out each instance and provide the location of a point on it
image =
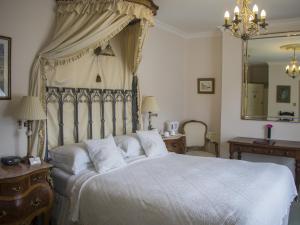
(135, 107)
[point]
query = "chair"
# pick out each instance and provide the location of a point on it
(197, 142)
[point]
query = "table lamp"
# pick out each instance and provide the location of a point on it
(149, 105)
(30, 109)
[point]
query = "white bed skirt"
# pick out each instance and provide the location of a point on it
(60, 213)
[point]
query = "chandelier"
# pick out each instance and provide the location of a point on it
(245, 23)
(293, 68)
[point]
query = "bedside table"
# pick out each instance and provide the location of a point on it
(176, 143)
(25, 194)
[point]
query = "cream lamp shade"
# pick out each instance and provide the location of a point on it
(149, 104)
(30, 108)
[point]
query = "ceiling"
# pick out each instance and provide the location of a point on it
(194, 16)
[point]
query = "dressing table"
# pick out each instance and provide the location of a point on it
(290, 149)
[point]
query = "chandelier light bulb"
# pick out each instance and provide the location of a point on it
(251, 18)
(227, 15)
(236, 11)
(263, 14)
(255, 9)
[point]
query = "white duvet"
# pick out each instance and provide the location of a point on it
(186, 190)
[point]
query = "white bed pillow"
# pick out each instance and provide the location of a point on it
(130, 145)
(152, 143)
(105, 154)
(71, 158)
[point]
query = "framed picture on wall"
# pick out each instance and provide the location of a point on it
(5, 68)
(206, 85)
(283, 94)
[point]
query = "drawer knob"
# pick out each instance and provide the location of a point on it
(38, 178)
(17, 189)
(36, 203)
(3, 214)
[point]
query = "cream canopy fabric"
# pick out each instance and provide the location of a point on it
(81, 26)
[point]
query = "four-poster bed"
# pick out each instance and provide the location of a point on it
(88, 95)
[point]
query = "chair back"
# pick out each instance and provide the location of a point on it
(195, 132)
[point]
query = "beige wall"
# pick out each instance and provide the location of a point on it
(161, 74)
(28, 23)
(203, 60)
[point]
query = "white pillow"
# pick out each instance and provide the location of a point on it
(130, 145)
(152, 143)
(71, 158)
(105, 154)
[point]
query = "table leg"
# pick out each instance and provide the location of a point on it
(239, 155)
(231, 154)
(297, 174)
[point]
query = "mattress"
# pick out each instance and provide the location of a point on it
(60, 180)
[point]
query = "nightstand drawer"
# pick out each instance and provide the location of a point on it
(173, 146)
(38, 178)
(25, 194)
(176, 145)
(38, 198)
(14, 187)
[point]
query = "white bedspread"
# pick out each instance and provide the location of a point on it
(187, 190)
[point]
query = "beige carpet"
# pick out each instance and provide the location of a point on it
(295, 214)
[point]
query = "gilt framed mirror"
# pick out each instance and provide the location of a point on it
(271, 78)
(5, 68)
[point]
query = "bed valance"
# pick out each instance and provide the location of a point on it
(81, 27)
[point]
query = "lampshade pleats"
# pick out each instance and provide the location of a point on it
(150, 104)
(30, 108)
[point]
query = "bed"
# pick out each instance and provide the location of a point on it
(180, 190)
(168, 189)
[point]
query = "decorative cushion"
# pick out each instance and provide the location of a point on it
(130, 145)
(104, 154)
(152, 143)
(71, 158)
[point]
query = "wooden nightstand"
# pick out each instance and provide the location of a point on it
(25, 194)
(176, 143)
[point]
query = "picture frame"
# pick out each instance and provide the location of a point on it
(283, 94)
(206, 85)
(5, 68)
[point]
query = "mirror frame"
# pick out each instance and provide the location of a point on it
(245, 75)
(8, 96)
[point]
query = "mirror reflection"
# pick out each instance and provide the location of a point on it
(271, 88)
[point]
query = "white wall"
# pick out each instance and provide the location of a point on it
(231, 123)
(28, 23)
(203, 60)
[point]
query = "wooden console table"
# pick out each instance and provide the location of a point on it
(282, 148)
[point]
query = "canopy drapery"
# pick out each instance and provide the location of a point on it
(69, 59)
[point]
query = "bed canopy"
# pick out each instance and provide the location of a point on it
(96, 44)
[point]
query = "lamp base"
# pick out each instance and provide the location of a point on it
(150, 120)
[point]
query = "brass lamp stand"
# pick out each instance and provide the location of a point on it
(150, 106)
(150, 120)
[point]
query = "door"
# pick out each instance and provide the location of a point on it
(255, 100)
